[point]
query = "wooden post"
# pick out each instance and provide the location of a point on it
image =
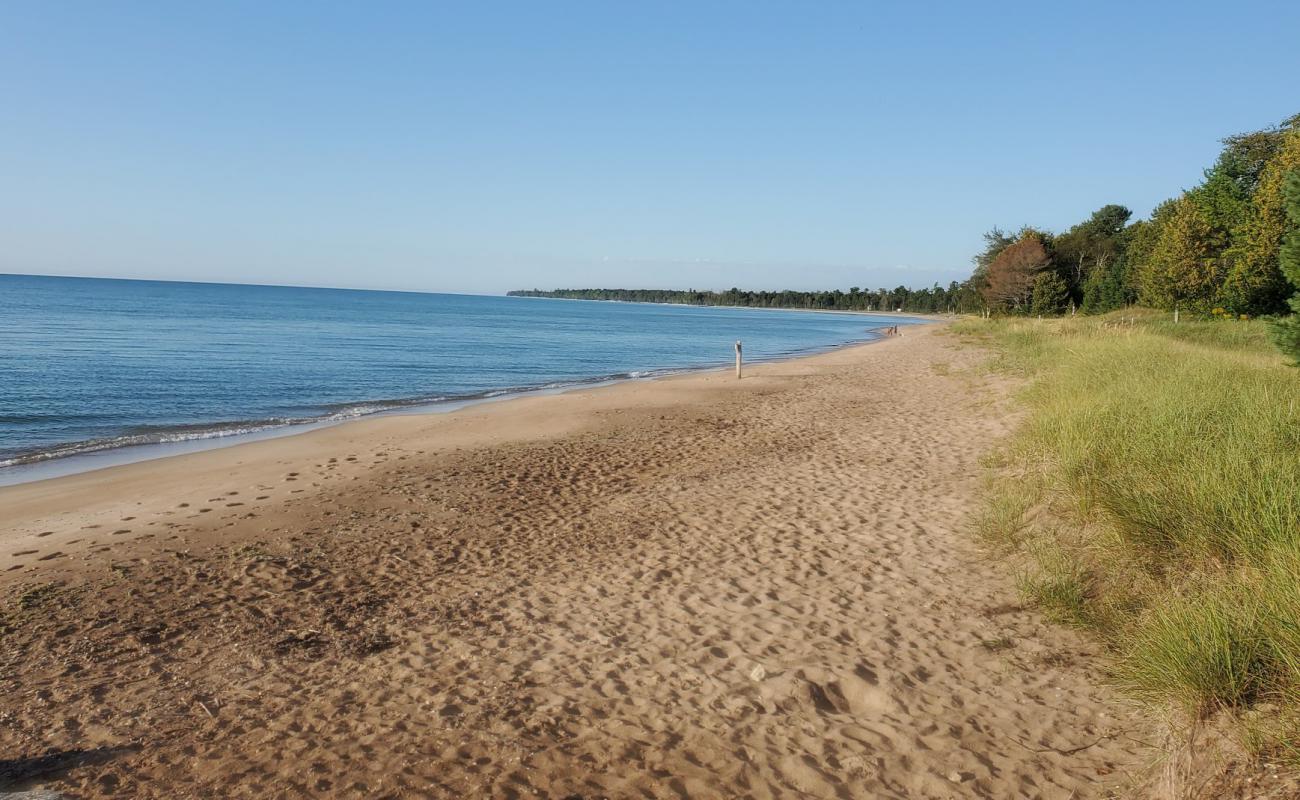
(1175, 313)
(738, 349)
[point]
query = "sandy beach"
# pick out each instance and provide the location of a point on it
(689, 587)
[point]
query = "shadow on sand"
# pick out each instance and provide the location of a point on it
(16, 774)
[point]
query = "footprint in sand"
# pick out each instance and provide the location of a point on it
(44, 533)
(25, 553)
(121, 531)
(55, 554)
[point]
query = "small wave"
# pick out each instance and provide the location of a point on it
(162, 436)
(150, 435)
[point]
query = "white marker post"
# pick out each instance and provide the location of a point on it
(738, 348)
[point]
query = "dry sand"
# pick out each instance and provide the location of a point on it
(691, 587)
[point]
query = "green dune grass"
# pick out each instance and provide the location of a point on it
(1153, 496)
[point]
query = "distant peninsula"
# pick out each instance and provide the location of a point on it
(956, 298)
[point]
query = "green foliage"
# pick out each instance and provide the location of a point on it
(1226, 193)
(1216, 245)
(1108, 287)
(1142, 240)
(1254, 283)
(995, 241)
(1051, 295)
(1091, 247)
(1289, 255)
(1287, 331)
(1183, 267)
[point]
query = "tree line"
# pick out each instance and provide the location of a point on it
(955, 298)
(1214, 246)
(1229, 246)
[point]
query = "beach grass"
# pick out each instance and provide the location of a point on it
(1153, 497)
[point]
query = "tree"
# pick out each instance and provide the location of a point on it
(1183, 267)
(1287, 330)
(1224, 195)
(995, 241)
(1010, 279)
(1093, 245)
(1254, 283)
(1051, 295)
(1142, 240)
(1111, 285)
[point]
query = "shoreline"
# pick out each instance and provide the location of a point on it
(762, 586)
(40, 467)
(259, 449)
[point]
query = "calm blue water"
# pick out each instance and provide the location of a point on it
(89, 364)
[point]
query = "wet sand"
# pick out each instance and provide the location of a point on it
(690, 587)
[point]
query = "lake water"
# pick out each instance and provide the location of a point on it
(90, 365)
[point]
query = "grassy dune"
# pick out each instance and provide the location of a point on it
(1153, 497)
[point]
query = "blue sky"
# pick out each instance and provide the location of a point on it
(483, 146)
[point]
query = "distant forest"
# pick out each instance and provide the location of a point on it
(1228, 247)
(956, 297)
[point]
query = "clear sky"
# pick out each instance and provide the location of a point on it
(483, 146)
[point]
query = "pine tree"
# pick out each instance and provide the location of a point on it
(1051, 294)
